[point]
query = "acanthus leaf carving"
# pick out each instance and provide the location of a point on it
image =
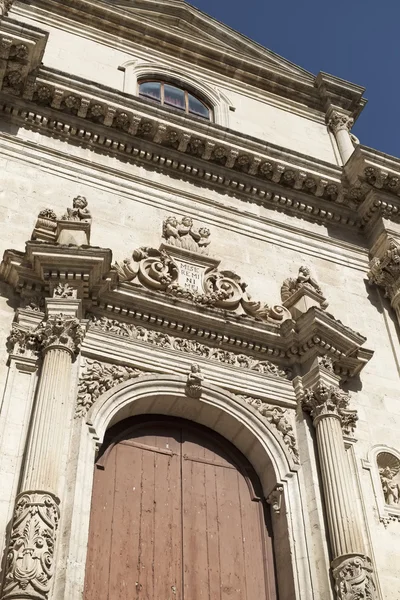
(61, 331)
(324, 400)
(385, 272)
(164, 340)
(30, 559)
(354, 578)
(23, 341)
(276, 416)
(98, 378)
(340, 121)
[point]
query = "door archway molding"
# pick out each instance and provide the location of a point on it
(220, 411)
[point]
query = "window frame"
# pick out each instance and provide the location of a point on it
(184, 89)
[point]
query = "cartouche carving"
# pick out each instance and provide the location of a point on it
(331, 400)
(354, 578)
(98, 378)
(30, 558)
(164, 340)
(303, 280)
(61, 331)
(155, 269)
(194, 383)
(183, 234)
(277, 417)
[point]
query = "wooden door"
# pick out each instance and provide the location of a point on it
(176, 515)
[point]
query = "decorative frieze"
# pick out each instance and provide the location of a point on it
(164, 340)
(96, 379)
(60, 331)
(276, 416)
(330, 401)
(194, 382)
(30, 557)
(354, 578)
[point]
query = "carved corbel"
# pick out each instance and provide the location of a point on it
(275, 499)
(194, 381)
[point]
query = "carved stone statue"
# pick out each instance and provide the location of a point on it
(194, 384)
(390, 487)
(79, 211)
(303, 280)
(183, 235)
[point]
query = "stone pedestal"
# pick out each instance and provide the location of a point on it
(76, 233)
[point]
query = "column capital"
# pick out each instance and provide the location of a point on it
(339, 121)
(354, 577)
(61, 331)
(330, 401)
(385, 271)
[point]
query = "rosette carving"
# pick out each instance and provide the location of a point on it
(61, 331)
(332, 401)
(30, 559)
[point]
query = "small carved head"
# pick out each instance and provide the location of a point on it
(195, 368)
(204, 232)
(171, 221)
(304, 271)
(80, 202)
(187, 221)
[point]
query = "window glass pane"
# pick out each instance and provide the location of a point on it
(173, 96)
(150, 89)
(197, 108)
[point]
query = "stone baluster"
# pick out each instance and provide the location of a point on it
(352, 568)
(340, 124)
(30, 558)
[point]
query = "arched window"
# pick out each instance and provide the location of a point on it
(173, 96)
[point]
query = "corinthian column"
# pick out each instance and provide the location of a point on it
(30, 557)
(351, 567)
(341, 124)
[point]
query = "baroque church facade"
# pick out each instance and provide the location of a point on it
(200, 303)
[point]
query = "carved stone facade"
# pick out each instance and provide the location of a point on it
(243, 234)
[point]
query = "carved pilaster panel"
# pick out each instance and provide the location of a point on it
(30, 559)
(354, 578)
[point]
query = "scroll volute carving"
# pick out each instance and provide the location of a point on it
(389, 473)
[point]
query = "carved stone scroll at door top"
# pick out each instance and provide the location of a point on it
(181, 268)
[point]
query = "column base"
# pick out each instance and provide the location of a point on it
(354, 577)
(30, 558)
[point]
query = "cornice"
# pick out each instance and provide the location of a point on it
(242, 60)
(129, 127)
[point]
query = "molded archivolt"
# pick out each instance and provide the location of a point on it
(219, 411)
(217, 101)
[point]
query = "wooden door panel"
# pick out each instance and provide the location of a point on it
(175, 517)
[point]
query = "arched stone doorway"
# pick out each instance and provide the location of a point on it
(177, 513)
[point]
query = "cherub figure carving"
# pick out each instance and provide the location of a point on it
(194, 384)
(391, 489)
(183, 235)
(79, 211)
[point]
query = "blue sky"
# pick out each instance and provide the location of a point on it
(357, 40)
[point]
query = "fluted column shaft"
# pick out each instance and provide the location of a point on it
(31, 551)
(351, 567)
(44, 464)
(344, 529)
